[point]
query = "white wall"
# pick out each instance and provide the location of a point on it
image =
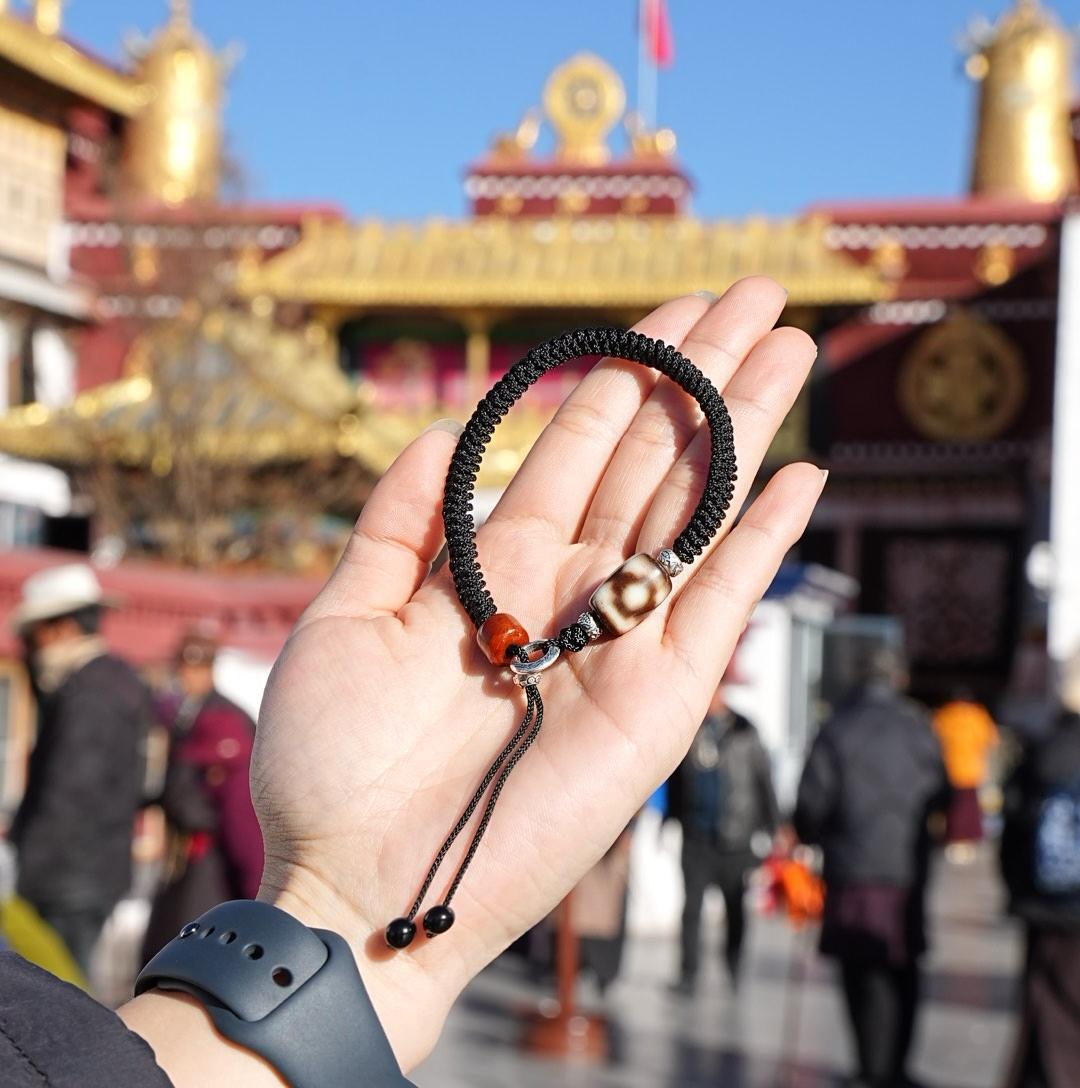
(8, 343)
(242, 677)
(1064, 629)
(54, 367)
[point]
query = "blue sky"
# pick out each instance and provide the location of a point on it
(378, 106)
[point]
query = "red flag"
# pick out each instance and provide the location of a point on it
(657, 29)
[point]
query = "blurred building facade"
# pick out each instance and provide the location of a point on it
(244, 358)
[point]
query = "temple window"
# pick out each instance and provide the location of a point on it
(412, 364)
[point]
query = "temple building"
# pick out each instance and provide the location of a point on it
(932, 402)
(284, 355)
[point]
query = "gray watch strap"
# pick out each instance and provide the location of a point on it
(291, 994)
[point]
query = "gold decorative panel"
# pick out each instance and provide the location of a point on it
(963, 380)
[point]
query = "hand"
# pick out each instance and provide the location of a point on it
(382, 715)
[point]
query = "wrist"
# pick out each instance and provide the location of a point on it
(411, 998)
(189, 1048)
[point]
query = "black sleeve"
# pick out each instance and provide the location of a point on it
(1015, 848)
(941, 793)
(676, 796)
(817, 792)
(767, 803)
(184, 799)
(53, 1035)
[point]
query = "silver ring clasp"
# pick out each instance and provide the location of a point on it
(527, 672)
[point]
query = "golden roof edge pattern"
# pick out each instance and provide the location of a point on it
(564, 261)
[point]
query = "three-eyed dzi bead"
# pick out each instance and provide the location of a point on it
(630, 594)
(497, 634)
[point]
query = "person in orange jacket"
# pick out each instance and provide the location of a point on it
(967, 734)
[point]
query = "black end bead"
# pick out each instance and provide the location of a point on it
(400, 932)
(438, 920)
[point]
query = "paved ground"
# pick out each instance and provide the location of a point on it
(774, 1032)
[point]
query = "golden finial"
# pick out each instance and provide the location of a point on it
(172, 149)
(180, 14)
(1024, 146)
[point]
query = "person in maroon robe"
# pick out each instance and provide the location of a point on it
(215, 849)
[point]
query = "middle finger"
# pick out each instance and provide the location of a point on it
(668, 420)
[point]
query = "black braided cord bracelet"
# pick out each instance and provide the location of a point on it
(619, 604)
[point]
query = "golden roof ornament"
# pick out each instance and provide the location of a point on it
(646, 142)
(1024, 146)
(172, 150)
(584, 99)
(518, 144)
(47, 15)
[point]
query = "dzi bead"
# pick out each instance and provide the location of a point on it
(630, 594)
(497, 634)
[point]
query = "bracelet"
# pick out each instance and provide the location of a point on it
(619, 604)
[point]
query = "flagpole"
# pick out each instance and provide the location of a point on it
(646, 81)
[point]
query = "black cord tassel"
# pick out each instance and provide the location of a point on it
(401, 931)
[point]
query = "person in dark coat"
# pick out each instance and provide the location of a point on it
(215, 848)
(722, 794)
(73, 829)
(1040, 859)
(873, 780)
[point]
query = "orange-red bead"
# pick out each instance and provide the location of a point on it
(497, 634)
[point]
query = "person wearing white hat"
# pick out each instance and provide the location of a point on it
(73, 829)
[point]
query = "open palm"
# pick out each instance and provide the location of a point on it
(382, 714)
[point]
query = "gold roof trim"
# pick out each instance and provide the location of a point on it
(267, 395)
(117, 424)
(620, 261)
(55, 61)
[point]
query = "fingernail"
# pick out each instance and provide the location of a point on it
(708, 296)
(824, 476)
(451, 426)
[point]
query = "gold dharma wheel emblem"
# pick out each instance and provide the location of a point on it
(584, 98)
(964, 380)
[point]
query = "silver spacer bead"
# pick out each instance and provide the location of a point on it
(592, 627)
(527, 680)
(671, 563)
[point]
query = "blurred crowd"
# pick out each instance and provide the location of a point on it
(886, 784)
